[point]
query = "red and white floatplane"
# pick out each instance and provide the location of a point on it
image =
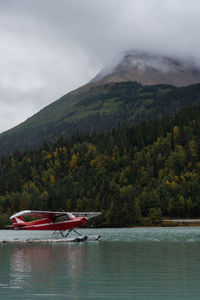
(60, 222)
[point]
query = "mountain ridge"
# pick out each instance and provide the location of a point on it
(149, 69)
(102, 104)
(99, 108)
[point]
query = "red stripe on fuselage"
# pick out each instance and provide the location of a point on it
(49, 224)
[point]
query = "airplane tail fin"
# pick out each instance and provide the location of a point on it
(18, 222)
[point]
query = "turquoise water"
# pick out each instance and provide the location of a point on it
(137, 263)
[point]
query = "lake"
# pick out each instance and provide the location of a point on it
(135, 263)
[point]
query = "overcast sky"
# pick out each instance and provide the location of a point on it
(50, 47)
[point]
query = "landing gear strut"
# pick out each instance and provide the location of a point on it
(80, 237)
(69, 233)
(65, 235)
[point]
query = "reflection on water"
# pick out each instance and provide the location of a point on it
(39, 269)
(47, 267)
(125, 266)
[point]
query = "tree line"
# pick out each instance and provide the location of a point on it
(134, 175)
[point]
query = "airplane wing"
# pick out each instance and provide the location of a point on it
(88, 215)
(40, 214)
(54, 214)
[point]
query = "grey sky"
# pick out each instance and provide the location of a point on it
(49, 47)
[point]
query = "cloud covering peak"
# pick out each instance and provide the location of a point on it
(48, 48)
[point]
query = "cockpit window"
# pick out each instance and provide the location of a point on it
(61, 219)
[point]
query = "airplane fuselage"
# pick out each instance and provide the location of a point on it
(49, 224)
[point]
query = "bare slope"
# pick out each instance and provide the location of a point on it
(149, 69)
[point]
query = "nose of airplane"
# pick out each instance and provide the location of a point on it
(84, 220)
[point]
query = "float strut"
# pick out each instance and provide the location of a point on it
(71, 231)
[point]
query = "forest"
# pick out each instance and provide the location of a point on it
(134, 174)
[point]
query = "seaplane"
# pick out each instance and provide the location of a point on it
(61, 222)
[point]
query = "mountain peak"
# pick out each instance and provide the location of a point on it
(149, 69)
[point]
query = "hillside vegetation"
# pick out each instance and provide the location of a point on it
(133, 174)
(98, 108)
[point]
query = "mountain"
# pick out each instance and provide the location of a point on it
(109, 99)
(148, 69)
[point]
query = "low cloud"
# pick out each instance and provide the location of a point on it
(48, 48)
